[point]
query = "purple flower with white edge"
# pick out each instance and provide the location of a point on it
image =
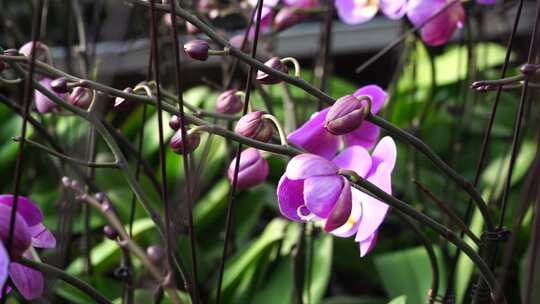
(314, 138)
(439, 30)
(43, 103)
(29, 232)
(252, 171)
(313, 190)
(361, 11)
(367, 213)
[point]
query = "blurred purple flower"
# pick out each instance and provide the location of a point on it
(439, 30)
(293, 12)
(253, 169)
(314, 138)
(360, 11)
(29, 232)
(43, 103)
(312, 190)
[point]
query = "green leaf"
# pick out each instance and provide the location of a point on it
(399, 300)
(278, 285)
(321, 268)
(354, 300)
(408, 272)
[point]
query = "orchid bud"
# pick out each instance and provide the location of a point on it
(255, 126)
(287, 17)
(345, 115)
(197, 49)
(181, 146)
(175, 122)
(155, 254)
(276, 64)
(80, 97)
(120, 100)
(529, 69)
(252, 171)
(110, 232)
(229, 102)
(42, 51)
(59, 85)
(43, 103)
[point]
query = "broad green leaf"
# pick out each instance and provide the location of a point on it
(354, 300)
(321, 268)
(399, 300)
(278, 285)
(408, 272)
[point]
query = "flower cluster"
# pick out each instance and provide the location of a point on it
(313, 187)
(436, 30)
(29, 232)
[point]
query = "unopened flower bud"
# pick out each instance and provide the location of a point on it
(175, 122)
(110, 232)
(276, 64)
(287, 17)
(80, 97)
(529, 69)
(42, 51)
(197, 49)
(345, 115)
(101, 197)
(59, 85)
(252, 171)
(43, 103)
(229, 102)
(120, 100)
(181, 146)
(255, 126)
(155, 254)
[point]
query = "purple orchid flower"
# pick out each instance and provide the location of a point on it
(355, 11)
(439, 30)
(267, 15)
(43, 103)
(312, 190)
(29, 232)
(314, 138)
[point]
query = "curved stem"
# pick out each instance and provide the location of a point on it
(282, 136)
(64, 276)
(295, 63)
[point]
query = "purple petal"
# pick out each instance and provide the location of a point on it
(373, 210)
(393, 9)
(377, 94)
(28, 281)
(354, 11)
(290, 197)
(307, 165)
(351, 226)
(21, 234)
(342, 209)
(25, 207)
(355, 158)
(42, 237)
(367, 245)
(385, 152)
(486, 2)
(365, 136)
(4, 262)
(43, 103)
(313, 137)
(253, 169)
(439, 30)
(321, 194)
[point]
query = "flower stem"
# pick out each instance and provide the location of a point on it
(295, 63)
(282, 136)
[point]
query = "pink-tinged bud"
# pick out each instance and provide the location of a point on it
(42, 51)
(529, 69)
(59, 85)
(43, 103)
(110, 232)
(155, 254)
(181, 146)
(229, 102)
(175, 123)
(191, 29)
(120, 100)
(276, 64)
(345, 115)
(287, 17)
(21, 235)
(197, 49)
(255, 126)
(80, 97)
(252, 171)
